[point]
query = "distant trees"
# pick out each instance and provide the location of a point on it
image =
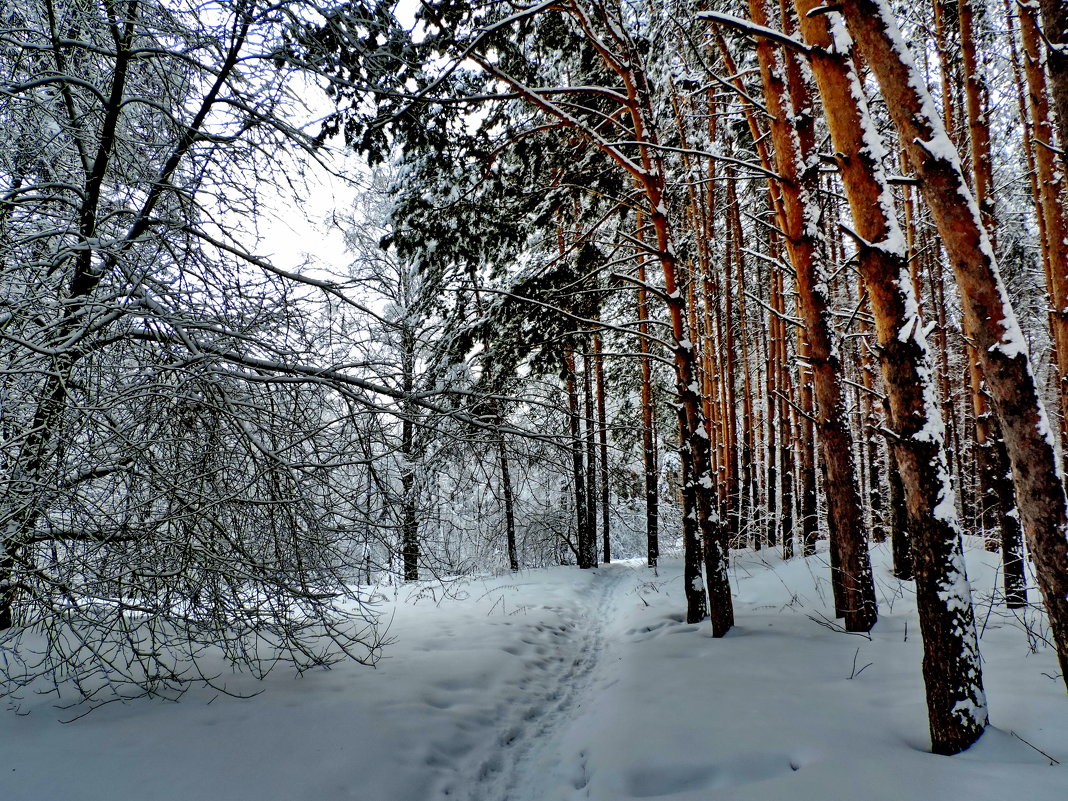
(395, 325)
(793, 144)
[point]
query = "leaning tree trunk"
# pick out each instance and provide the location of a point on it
(1000, 343)
(21, 509)
(956, 703)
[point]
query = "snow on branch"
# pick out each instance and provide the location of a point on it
(751, 28)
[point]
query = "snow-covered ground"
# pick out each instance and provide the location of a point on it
(563, 684)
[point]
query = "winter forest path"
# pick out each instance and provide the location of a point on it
(560, 684)
(557, 661)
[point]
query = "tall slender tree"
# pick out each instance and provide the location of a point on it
(1000, 343)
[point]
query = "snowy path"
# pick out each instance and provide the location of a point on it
(562, 684)
(525, 760)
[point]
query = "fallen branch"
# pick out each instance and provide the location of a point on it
(1052, 761)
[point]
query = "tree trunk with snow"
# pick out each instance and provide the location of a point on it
(583, 533)
(870, 434)
(744, 506)
(695, 440)
(409, 518)
(591, 454)
(1002, 350)
(809, 500)
(650, 471)
(508, 499)
(771, 403)
(900, 537)
(692, 556)
(800, 225)
(602, 434)
(952, 672)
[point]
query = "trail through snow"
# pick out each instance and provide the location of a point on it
(557, 663)
(584, 685)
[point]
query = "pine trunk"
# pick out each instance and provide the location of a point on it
(800, 225)
(591, 456)
(692, 557)
(999, 341)
(650, 472)
(1050, 179)
(773, 418)
(746, 493)
(602, 432)
(409, 518)
(578, 471)
(900, 538)
(952, 671)
(509, 502)
(809, 501)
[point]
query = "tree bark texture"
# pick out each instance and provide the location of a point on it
(800, 225)
(1050, 180)
(589, 422)
(651, 476)
(578, 473)
(602, 434)
(1055, 32)
(1002, 351)
(952, 671)
(509, 501)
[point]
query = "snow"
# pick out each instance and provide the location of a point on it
(563, 684)
(906, 330)
(946, 510)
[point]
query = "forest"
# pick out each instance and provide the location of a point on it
(685, 285)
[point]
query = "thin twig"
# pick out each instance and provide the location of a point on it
(1052, 761)
(833, 626)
